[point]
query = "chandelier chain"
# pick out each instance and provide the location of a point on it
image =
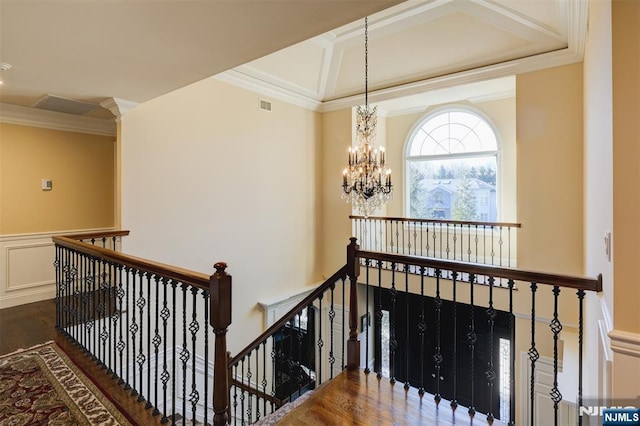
(366, 62)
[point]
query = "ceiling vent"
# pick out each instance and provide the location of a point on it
(265, 105)
(68, 106)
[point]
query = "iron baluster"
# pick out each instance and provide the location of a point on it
(472, 338)
(249, 375)
(184, 353)
(133, 328)
(556, 328)
(422, 326)
(58, 300)
(512, 356)
(406, 289)
(242, 392)
(490, 374)
(343, 317)
(257, 373)
(454, 400)
(165, 313)
(393, 343)
(379, 313)
(264, 376)
(141, 358)
(468, 243)
(156, 341)
(235, 394)
(194, 327)
(205, 298)
(580, 294)
(533, 352)
(332, 315)
(115, 312)
(437, 358)
(367, 319)
(130, 321)
(174, 346)
(320, 341)
(149, 328)
(103, 312)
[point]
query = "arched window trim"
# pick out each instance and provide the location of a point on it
(418, 125)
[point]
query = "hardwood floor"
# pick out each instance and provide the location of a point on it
(352, 398)
(28, 325)
(355, 398)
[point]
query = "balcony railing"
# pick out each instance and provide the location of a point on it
(488, 243)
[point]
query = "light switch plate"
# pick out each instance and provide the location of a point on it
(47, 184)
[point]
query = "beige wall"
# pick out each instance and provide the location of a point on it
(625, 16)
(81, 167)
(626, 162)
(550, 169)
(598, 198)
(336, 226)
(207, 177)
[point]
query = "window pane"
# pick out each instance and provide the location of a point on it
(459, 189)
(453, 132)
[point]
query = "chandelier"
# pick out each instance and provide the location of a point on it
(366, 181)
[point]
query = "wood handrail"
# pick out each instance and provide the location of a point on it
(571, 281)
(102, 234)
(442, 221)
(185, 276)
(257, 392)
(341, 273)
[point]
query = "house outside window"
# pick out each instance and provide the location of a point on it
(451, 164)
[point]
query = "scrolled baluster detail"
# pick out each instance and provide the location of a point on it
(556, 328)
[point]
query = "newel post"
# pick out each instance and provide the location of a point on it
(220, 289)
(353, 270)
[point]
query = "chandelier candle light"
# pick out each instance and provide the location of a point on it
(366, 181)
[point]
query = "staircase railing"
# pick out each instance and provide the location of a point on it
(443, 343)
(148, 324)
(292, 356)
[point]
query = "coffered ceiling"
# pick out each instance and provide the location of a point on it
(421, 45)
(310, 52)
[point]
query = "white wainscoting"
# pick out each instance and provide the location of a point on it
(543, 406)
(26, 267)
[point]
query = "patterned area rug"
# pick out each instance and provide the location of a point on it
(42, 386)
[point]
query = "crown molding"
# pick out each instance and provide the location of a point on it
(34, 117)
(261, 87)
(556, 58)
(118, 107)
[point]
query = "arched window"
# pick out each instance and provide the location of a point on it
(451, 165)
